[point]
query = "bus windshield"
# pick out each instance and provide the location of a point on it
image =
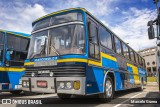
(67, 39)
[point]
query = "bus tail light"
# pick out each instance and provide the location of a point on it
(76, 85)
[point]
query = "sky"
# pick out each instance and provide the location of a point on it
(126, 18)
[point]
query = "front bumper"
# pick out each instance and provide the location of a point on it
(52, 85)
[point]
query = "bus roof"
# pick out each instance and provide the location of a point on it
(16, 33)
(82, 9)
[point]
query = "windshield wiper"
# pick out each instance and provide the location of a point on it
(33, 54)
(41, 50)
(54, 49)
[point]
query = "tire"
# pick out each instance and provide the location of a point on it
(16, 92)
(108, 91)
(142, 86)
(64, 96)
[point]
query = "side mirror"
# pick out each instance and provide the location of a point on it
(151, 34)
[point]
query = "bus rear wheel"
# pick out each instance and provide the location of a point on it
(64, 96)
(142, 86)
(108, 91)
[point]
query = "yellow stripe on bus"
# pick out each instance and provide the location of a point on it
(17, 34)
(11, 69)
(103, 55)
(28, 63)
(135, 71)
(108, 57)
(92, 62)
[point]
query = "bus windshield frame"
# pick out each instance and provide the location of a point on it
(62, 40)
(51, 29)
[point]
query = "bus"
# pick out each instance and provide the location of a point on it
(72, 53)
(155, 24)
(13, 52)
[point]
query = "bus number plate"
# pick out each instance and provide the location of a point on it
(42, 84)
(45, 63)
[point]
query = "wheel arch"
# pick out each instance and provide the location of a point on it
(112, 75)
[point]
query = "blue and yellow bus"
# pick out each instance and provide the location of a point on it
(13, 52)
(73, 53)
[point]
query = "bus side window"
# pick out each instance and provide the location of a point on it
(1, 45)
(118, 45)
(132, 55)
(125, 50)
(136, 57)
(139, 59)
(105, 37)
(144, 65)
(19, 46)
(94, 51)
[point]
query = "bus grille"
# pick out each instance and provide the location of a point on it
(65, 71)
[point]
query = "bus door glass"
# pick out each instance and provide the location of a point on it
(1, 47)
(94, 51)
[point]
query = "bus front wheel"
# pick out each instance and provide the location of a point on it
(108, 90)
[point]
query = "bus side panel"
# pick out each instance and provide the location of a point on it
(131, 77)
(4, 79)
(119, 81)
(109, 63)
(142, 73)
(14, 78)
(94, 80)
(136, 74)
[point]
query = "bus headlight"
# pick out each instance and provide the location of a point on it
(51, 74)
(33, 74)
(24, 83)
(61, 84)
(69, 85)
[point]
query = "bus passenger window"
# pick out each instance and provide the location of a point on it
(94, 51)
(125, 50)
(105, 37)
(136, 57)
(1, 55)
(1, 45)
(92, 33)
(97, 55)
(118, 45)
(141, 61)
(132, 55)
(19, 46)
(91, 50)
